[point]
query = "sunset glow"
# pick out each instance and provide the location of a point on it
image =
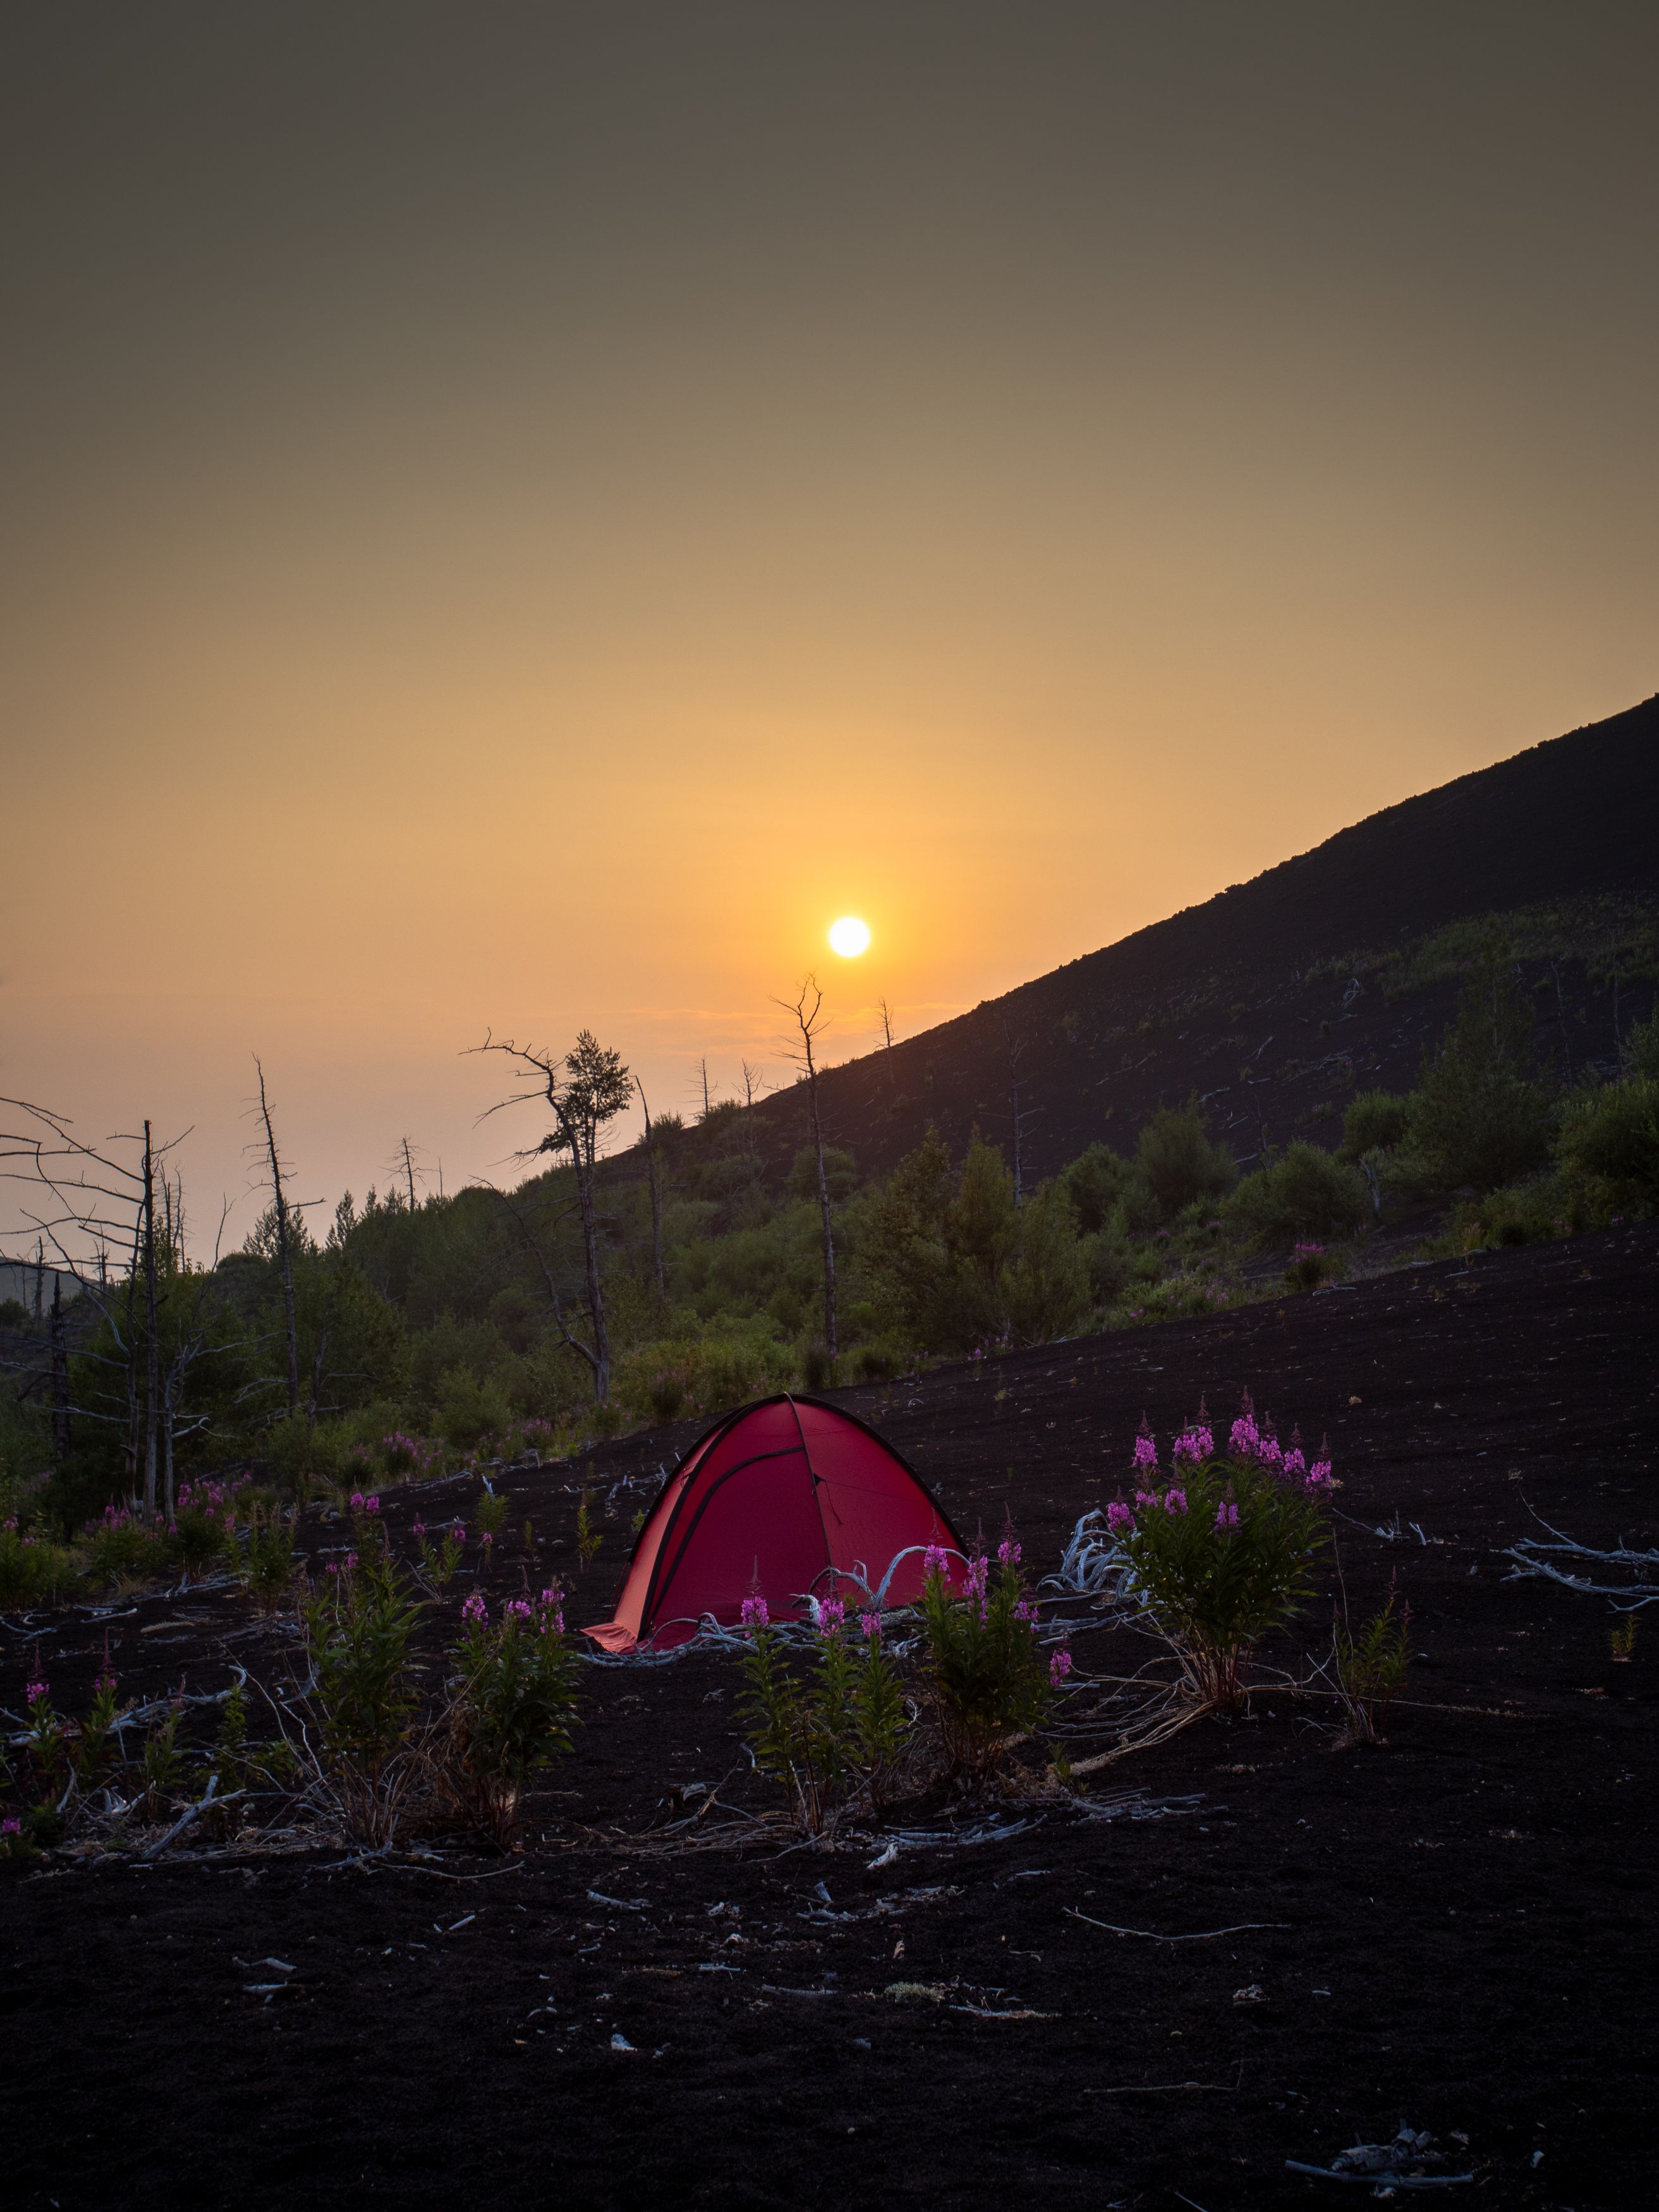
(849, 937)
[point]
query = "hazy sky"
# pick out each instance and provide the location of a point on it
(521, 515)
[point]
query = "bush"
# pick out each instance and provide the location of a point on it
(1613, 1134)
(1094, 1183)
(1177, 1160)
(1476, 1118)
(1111, 1267)
(32, 1571)
(1224, 1552)
(1310, 1265)
(839, 1173)
(987, 1677)
(118, 1549)
(514, 1708)
(359, 1629)
(1374, 1122)
(831, 1734)
(1305, 1193)
(1642, 1047)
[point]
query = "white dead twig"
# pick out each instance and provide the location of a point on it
(1531, 1562)
(1200, 1936)
(208, 1801)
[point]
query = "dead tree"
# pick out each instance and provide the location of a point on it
(284, 1246)
(152, 1334)
(60, 1390)
(653, 1176)
(584, 1091)
(93, 1199)
(810, 1024)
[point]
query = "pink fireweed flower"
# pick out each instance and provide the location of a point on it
(11, 1825)
(1319, 1475)
(418, 1528)
(356, 1501)
(754, 1613)
(475, 1608)
(1119, 1517)
(1192, 1445)
(1294, 1464)
(1244, 1436)
(1008, 1551)
(329, 1567)
(487, 1540)
(935, 1560)
(1059, 1666)
(350, 1561)
(35, 1692)
(458, 1532)
(832, 1616)
(1145, 1456)
(1025, 1611)
(870, 1623)
(1226, 1513)
(1175, 1501)
(105, 1683)
(1147, 1497)
(552, 1595)
(518, 1608)
(371, 1505)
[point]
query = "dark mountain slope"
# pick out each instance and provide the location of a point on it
(1278, 998)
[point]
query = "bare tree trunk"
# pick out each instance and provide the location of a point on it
(586, 1159)
(654, 1178)
(810, 1025)
(40, 1278)
(284, 1252)
(130, 1450)
(409, 1171)
(702, 1069)
(152, 1342)
(60, 1395)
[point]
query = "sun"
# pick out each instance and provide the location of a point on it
(849, 937)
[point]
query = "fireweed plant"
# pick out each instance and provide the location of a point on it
(513, 1705)
(831, 1735)
(987, 1679)
(359, 1626)
(1223, 1549)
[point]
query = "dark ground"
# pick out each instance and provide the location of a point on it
(1461, 1925)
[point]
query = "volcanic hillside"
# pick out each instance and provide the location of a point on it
(1277, 999)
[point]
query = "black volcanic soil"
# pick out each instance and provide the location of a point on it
(1457, 1929)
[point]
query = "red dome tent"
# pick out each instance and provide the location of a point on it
(779, 1498)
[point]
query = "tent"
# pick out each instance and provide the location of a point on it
(782, 1497)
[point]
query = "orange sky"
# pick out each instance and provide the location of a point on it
(520, 516)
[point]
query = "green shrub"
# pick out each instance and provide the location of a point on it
(1224, 1551)
(1476, 1118)
(33, 1570)
(986, 1675)
(1111, 1267)
(839, 1173)
(358, 1628)
(831, 1731)
(1305, 1193)
(1613, 1134)
(1374, 1122)
(1642, 1047)
(1311, 1264)
(1177, 1160)
(513, 1707)
(1094, 1183)
(119, 1549)
(469, 1408)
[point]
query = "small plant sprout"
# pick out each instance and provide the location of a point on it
(491, 1514)
(588, 1538)
(1622, 1639)
(1371, 1667)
